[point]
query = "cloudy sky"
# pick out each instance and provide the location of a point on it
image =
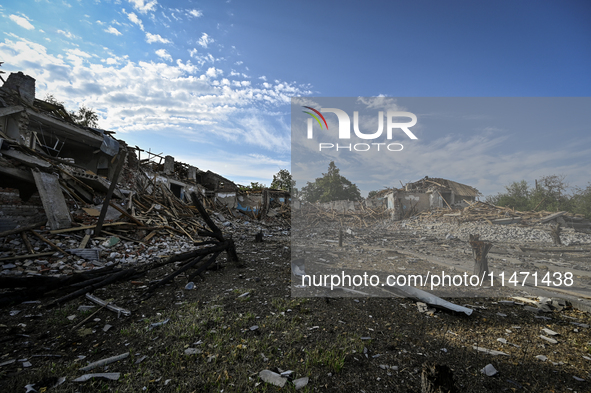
(210, 82)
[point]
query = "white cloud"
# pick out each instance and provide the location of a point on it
(134, 19)
(162, 53)
(195, 13)
(202, 59)
(144, 6)
(263, 78)
(205, 40)
(113, 30)
(66, 33)
(240, 62)
(78, 52)
(22, 22)
(156, 97)
(258, 132)
(187, 67)
(241, 168)
(151, 38)
(213, 72)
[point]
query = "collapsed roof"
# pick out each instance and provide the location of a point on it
(442, 185)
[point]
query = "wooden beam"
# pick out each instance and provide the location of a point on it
(41, 254)
(99, 225)
(23, 229)
(74, 229)
(51, 244)
(126, 214)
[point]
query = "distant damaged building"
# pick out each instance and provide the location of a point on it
(426, 194)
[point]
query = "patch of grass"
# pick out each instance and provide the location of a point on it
(333, 355)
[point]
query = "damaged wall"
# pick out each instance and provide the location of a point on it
(14, 211)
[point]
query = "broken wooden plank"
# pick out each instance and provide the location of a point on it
(27, 242)
(41, 254)
(552, 217)
(81, 228)
(23, 229)
(123, 237)
(149, 236)
(84, 241)
(106, 202)
(49, 242)
(110, 306)
(90, 316)
(104, 362)
(506, 221)
(126, 214)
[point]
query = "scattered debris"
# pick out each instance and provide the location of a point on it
(104, 362)
(489, 351)
(109, 376)
(489, 370)
(158, 324)
(272, 378)
(300, 382)
(550, 340)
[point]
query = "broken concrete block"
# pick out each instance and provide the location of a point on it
(272, 378)
(86, 377)
(193, 351)
(489, 351)
(550, 340)
(300, 382)
(489, 370)
(549, 332)
(53, 200)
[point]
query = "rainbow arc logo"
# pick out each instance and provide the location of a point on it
(315, 117)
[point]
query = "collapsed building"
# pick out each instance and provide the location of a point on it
(48, 162)
(427, 194)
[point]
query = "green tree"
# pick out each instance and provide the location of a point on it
(52, 100)
(517, 196)
(84, 116)
(551, 193)
(581, 201)
(372, 194)
(283, 181)
(332, 186)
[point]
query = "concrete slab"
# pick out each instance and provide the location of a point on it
(53, 200)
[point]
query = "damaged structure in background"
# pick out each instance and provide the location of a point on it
(428, 194)
(56, 164)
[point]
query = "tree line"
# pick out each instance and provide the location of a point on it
(550, 193)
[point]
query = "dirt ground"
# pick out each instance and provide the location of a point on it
(238, 321)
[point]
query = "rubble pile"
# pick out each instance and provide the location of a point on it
(514, 233)
(312, 215)
(74, 200)
(482, 211)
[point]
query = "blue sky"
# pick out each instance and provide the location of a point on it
(210, 82)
